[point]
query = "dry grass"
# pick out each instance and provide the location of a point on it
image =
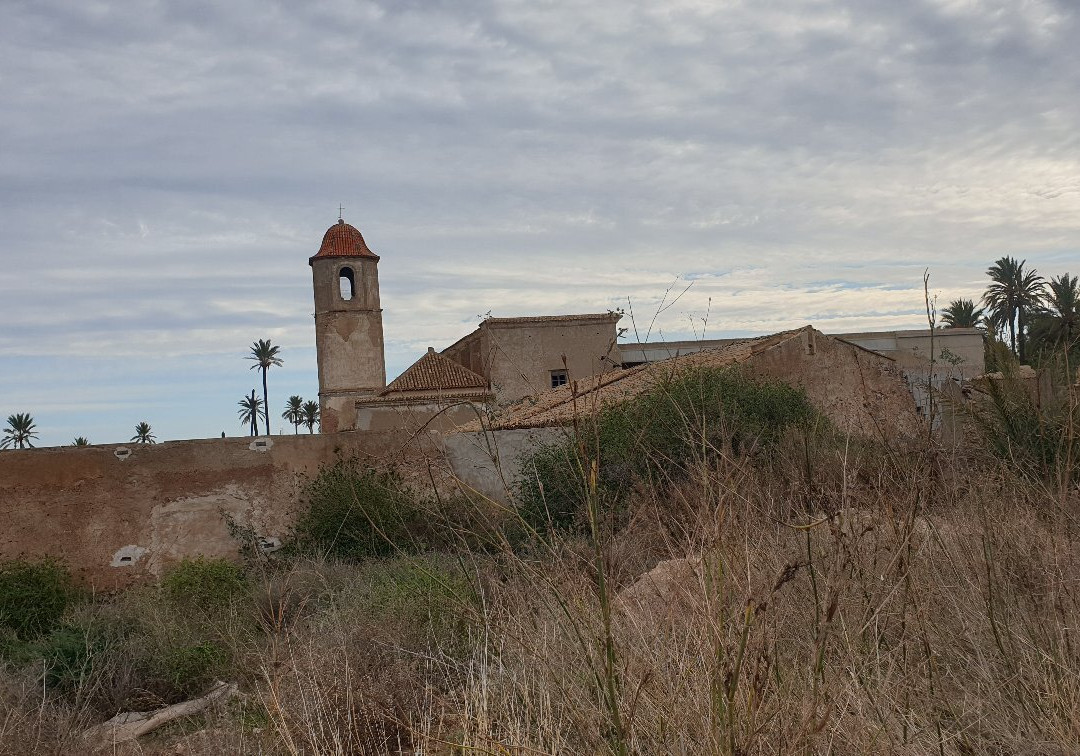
(865, 603)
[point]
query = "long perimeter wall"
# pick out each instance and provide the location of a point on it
(117, 514)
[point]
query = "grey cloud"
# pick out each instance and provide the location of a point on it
(168, 167)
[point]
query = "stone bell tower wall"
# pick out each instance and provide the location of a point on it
(348, 336)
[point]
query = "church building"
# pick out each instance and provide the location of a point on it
(502, 361)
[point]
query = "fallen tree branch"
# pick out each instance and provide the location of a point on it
(133, 724)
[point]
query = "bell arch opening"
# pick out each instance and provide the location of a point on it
(347, 284)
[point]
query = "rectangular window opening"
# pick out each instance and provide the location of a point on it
(558, 378)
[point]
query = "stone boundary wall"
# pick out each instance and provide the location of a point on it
(116, 514)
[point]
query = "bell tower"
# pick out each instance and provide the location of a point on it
(348, 325)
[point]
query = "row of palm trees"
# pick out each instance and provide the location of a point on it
(1038, 316)
(297, 412)
(300, 412)
(21, 431)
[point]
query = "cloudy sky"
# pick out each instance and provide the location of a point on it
(166, 169)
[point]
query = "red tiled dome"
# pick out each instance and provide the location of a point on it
(343, 240)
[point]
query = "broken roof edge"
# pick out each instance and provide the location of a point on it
(611, 315)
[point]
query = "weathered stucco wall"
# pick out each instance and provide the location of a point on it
(117, 520)
(524, 357)
(957, 350)
(417, 416)
(487, 462)
(959, 358)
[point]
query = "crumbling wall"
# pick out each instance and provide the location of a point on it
(116, 514)
(860, 391)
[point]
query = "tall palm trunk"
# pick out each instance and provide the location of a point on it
(266, 401)
(1012, 333)
(1020, 337)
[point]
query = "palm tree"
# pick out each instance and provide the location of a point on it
(1059, 323)
(311, 415)
(143, 434)
(80, 441)
(962, 313)
(265, 357)
(20, 429)
(1012, 296)
(249, 412)
(294, 412)
(995, 326)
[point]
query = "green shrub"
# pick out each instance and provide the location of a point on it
(33, 596)
(415, 599)
(658, 437)
(1040, 435)
(353, 512)
(69, 655)
(184, 671)
(205, 583)
(421, 592)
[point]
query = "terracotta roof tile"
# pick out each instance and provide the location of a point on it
(433, 372)
(343, 240)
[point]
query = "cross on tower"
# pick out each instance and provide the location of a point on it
(340, 210)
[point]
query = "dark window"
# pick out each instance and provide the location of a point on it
(348, 285)
(558, 378)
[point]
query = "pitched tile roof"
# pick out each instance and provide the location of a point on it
(343, 240)
(433, 372)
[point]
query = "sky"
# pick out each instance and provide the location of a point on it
(167, 168)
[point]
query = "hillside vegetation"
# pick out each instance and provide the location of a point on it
(709, 569)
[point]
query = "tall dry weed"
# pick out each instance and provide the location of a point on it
(825, 597)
